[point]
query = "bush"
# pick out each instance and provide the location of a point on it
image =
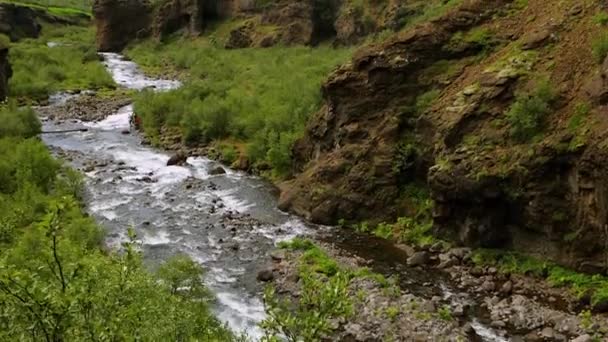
(40, 70)
(528, 113)
(601, 18)
(18, 122)
(599, 47)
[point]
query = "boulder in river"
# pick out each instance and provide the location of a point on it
(218, 170)
(177, 159)
(265, 275)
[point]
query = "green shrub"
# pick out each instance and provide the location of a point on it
(18, 122)
(39, 70)
(527, 115)
(599, 47)
(601, 18)
(229, 153)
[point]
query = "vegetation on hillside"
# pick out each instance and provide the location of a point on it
(70, 63)
(58, 7)
(262, 97)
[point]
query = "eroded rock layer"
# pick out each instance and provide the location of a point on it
(544, 194)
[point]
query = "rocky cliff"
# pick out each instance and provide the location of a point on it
(120, 21)
(502, 121)
(5, 72)
(264, 24)
(21, 21)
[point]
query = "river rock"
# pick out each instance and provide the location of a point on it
(418, 259)
(218, 170)
(547, 333)
(488, 286)
(177, 159)
(278, 255)
(265, 275)
(506, 288)
(583, 338)
(125, 132)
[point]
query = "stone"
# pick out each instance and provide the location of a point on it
(278, 255)
(177, 159)
(547, 333)
(488, 286)
(498, 324)
(265, 275)
(583, 338)
(506, 288)
(120, 21)
(458, 310)
(239, 38)
(601, 306)
(535, 39)
(461, 252)
(125, 132)
(218, 170)
(418, 259)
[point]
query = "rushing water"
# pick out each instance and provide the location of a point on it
(228, 223)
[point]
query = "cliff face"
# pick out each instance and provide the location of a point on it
(288, 22)
(511, 161)
(5, 72)
(18, 22)
(120, 21)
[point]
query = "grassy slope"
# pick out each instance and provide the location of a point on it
(40, 70)
(57, 7)
(262, 97)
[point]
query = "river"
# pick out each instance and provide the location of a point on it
(228, 223)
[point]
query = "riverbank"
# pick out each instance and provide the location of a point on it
(422, 296)
(498, 300)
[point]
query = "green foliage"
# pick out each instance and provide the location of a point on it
(601, 18)
(445, 313)
(18, 122)
(527, 115)
(297, 244)
(325, 296)
(315, 260)
(426, 100)
(581, 284)
(39, 70)
(599, 47)
(320, 302)
(260, 96)
(392, 312)
(581, 112)
(229, 153)
(57, 281)
(577, 126)
(58, 7)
